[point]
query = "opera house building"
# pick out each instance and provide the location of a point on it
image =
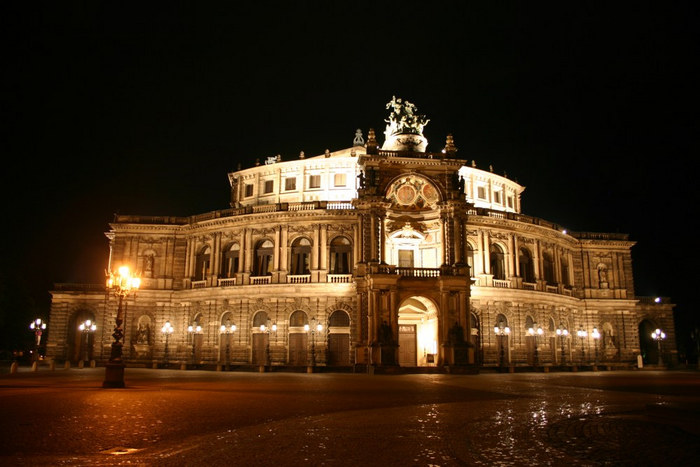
(383, 256)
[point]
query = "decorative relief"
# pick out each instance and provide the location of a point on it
(412, 193)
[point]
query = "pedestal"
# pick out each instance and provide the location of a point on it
(114, 375)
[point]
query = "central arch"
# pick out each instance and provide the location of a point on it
(418, 332)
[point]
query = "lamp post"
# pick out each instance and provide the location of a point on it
(121, 284)
(167, 330)
(315, 327)
(38, 327)
(270, 327)
(562, 332)
(86, 327)
(658, 335)
(535, 331)
(502, 331)
(226, 330)
(596, 336)
(582, 334)
(194, 329)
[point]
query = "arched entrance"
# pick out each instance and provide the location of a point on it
(80, 344)
(418, 332)
(647, 345)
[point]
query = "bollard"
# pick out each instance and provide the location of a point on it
(13, 367)
(66, 366)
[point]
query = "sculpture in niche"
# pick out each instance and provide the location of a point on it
(602, 276)
(143, 335)
(149, 261)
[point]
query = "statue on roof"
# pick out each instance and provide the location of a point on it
(404, 118)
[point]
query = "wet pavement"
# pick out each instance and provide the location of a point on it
(188, 418)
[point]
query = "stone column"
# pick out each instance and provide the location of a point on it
(323, 252)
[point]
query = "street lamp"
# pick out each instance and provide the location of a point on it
(267, 329)
(562, 332)
(194, 329)
(38, 327)
(658, 335)
(121, 284)
(315, 327)
(596, 336)
(535, 331)
(226, 330)
(502, 331)
(582, 333)
(167, 330)
(86, 327)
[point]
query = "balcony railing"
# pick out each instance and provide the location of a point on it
(339, 278)
(418, 272)
(227, 282)
(502, 284)
(299, 279)
(259, 280)
(199, 284)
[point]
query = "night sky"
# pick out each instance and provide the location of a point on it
(144, 108)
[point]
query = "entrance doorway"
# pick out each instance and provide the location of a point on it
(418, 337)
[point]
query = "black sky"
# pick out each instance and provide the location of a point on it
(143, 108)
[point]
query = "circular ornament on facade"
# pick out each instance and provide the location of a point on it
(406, 195)
(430, 193)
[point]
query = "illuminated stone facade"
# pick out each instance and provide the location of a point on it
(408, 260)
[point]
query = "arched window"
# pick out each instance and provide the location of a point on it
(260, 319)
(301, 255)
(548, 268)
(298, 319)
(502, 321)
(470, 259)
(565, 271)
(339, 318)
(498, 268)
(529, 322)
(203, 264)
(341, 256)
(229, 265)
(527, 267)
(263, 258)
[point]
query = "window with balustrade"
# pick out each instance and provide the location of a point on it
(498, 264)
(231, 256)
(341, 256)
(301, 257)
(263, 258)
(203, 264)
(527, 267)
(548, 268)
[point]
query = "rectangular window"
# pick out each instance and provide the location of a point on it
(481, 192)
(497, 197)
(339, 180)
(248, 190)
(510, 202)
(406, 258)
(314, 181)
(290, 184)
(269, 185)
